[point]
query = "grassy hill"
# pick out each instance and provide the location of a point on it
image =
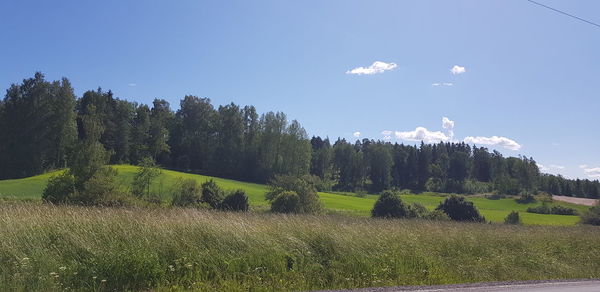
(494, 210)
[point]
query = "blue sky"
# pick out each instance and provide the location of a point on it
(531, 76)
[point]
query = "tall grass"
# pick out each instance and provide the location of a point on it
(47, 248)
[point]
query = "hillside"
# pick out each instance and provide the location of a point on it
(494, 210)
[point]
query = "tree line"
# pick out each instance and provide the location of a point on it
(43, 123)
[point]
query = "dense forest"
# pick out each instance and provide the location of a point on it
(41, 122)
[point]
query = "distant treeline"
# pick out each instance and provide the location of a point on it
(41, 121)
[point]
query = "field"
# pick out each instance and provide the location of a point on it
(47, 248)
(494, 210)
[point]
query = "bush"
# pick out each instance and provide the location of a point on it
(286, 202)
(308, 200)
(526, 199)
(592, 216)
(556, 210)
(60, 188)
(458, 209)
(212, 194)
(417, 210)
(102, 188)
(512, 218)
(142, 180)
(187, 193)
(389, 205)
(437, 215)
(236, 201)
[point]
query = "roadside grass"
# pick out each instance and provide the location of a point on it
(340, 203)
(50, 248)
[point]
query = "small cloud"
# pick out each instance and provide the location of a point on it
(448, 125)
(593, 172)
(554, 166)
(583, 166)
(356, 134)
(495, 141)
(457, 70)
(387, 138)
(386, 132)
(132, 84)
(442, 84)
(422, 134)
(376, 68)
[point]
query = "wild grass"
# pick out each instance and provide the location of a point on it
(46, 248)
(345, 203)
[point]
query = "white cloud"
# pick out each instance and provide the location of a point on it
(375, 68)
(422, 134)
(132, 84)
(550, 168)
(356, 134)
(554, 166)
(583, 166)
(457, 70)
(448, 125)
(593, 172)
(494, 140)
(442, 84)
(386, 132)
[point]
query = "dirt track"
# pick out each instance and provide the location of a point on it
(579, 201)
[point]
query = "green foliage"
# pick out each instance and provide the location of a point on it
(592, 216)
(102, 188)
(308, 200)
(389, 205)
(212, 194)
(458, 209)
(556, 210)
(60, 188)
(143, 178)
(235, 201)
(286, 202)
(512, 218)
(526, 199)
(188, 193)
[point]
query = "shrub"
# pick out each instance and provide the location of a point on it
(187, 193)
(286, 202)
(308, 200)
(212, 194)
(526, 199)
(437, 215)
(389, 205)
(512, 218)
(556, 210)
(102, 188)
(60, 188)
(417, 210)
(236, 201)
(458, 209)
(592, 216)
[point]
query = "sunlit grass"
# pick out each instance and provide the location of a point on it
(347, 203)
(48, 248)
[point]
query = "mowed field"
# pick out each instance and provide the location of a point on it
(494, 210)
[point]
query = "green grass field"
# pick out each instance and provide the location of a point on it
(494, 210)
(52, 248)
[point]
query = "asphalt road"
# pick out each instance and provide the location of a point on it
(535, 286)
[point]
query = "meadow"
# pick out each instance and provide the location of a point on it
(47, 248)
(336, 203)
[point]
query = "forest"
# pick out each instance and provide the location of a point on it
(42, 121)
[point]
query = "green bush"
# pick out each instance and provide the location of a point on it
(212, 194)
(512, 218)
(459, 209)
(60, 188)
(187, 193)
(308, 200)
(236, 201)
(389, 205)
(286, 202)
(556, 210)
(103, 188)
(417, 210)
(592, 216)
(526, 199)
(142, 180)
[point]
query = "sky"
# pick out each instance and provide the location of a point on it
(508, 75)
